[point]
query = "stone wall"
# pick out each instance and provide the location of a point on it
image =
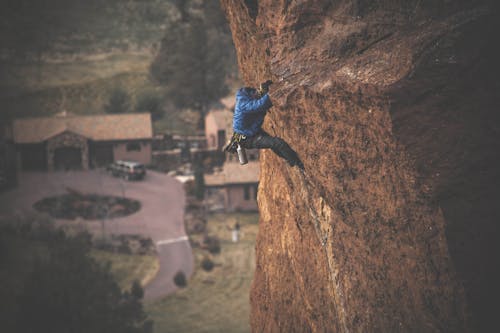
(67, 139)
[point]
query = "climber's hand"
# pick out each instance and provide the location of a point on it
(264, 87)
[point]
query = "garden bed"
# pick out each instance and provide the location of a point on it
(87, 206)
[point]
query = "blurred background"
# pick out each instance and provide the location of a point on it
(85, 85)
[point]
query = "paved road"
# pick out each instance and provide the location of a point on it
(161, 216)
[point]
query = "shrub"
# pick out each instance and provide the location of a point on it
(103, 245)
(54, 264)
(199, 184)
(124, 248)
(212, 244)
(180, 279)
(119, 102)
(207, 264)
(150, 102)
(189, 187)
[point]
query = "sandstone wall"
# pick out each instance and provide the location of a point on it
(392, 107)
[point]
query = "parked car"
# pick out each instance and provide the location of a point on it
(127, 170)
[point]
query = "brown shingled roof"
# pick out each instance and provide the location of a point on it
(234, 173)
(95, 127)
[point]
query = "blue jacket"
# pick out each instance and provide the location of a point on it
(249, 113)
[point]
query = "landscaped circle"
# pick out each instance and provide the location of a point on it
(87, 206)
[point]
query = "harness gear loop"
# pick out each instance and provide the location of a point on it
(233, 143)
(238, 137)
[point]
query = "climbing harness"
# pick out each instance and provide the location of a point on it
(234, 146)
(233, 143)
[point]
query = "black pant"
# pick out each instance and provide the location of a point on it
(263, 140)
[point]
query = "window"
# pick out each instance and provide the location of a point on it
(133, 146)
(256, 189)
(246, 193)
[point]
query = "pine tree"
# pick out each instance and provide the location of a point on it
(195, 58)
(119, 102)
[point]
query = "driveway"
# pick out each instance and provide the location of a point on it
(161, 216)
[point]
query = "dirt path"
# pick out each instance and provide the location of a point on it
(161, 216)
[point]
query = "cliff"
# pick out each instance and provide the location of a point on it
(393, 108)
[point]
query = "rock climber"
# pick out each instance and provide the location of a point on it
(251, 108)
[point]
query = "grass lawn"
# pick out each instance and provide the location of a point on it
(35, 77)
(216, 301)
(128, 268)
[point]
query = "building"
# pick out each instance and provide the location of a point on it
(234, 188)
(81, 142)
(218, 128)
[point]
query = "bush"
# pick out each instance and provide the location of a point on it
(212, 244)
(104, 245)
(180, 279)
(207, 264)
(124, 248)
(199, 184)
(53, 264)
(150, 102)
(189, 187)
(119, 102)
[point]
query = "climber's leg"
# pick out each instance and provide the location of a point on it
(263, 140)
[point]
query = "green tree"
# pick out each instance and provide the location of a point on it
(199, 183)
(119, 102)
(195, 58)
(62, 289)
(150, 102)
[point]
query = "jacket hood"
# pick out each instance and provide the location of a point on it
(245, 92)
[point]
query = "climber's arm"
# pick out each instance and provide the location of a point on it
(258, 105)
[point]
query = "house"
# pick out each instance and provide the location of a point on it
(218, 128)
(234, 188)
(81, 142)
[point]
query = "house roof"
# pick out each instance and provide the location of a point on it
(94, 127)
(234, 173)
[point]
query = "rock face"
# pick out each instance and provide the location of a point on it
(393, 108)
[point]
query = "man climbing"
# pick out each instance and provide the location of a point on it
(249, 112)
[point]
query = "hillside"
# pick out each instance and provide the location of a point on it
(69, 55)
(72, 55)
(65, 28)
(81, 93)
(393, 108)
